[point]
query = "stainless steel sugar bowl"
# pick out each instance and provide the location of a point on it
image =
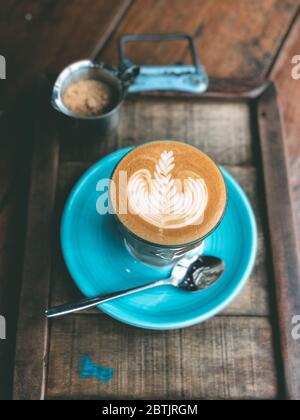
(118, 79)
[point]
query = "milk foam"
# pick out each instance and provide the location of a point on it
(165, 202)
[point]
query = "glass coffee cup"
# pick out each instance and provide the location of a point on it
(167, 197)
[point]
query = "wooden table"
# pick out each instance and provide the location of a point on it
(252, 47)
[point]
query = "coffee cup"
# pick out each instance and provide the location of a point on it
(167, 197)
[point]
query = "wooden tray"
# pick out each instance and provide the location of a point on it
(247, 352)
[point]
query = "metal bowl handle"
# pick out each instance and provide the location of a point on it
(158, 38)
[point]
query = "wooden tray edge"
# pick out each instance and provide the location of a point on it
(282, 235)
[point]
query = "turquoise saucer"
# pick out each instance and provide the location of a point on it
(99, 262)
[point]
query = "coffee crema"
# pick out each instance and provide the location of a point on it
(168, 193)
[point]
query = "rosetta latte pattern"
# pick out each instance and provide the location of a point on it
(165, 202)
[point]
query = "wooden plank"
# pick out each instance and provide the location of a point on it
(59, 26)
(156, 16)
(219, 128)
(16, 131)
(31, 354)
(66, 32)
(6, 347)
(243, 41)
(238, 33)
(288, 89)
(282, 233)
(15, 145)
(253, 301)
(11, 243)
(8, 150)
(294, 179)
(225, 358)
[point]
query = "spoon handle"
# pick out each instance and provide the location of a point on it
(70, 308)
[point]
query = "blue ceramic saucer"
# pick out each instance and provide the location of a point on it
(99, 262)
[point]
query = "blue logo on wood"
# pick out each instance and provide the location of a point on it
(90, 370)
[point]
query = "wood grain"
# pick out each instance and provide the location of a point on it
(16, 131)
(225, 358)
(288, 99)
(32, 332)
(234, 38)
(245, 36)
(219, 128)
(65, 34)
(11, 244)
(283, 238)
(8, 151)
(253, 301)
(66, 31)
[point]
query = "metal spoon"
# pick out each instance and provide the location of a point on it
(189, 274)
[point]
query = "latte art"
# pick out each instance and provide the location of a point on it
(163, 201)
(168, 193)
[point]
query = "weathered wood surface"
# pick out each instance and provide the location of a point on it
(282, 234)
(220, 129)
(16, 131)
(225, 358)
(32, 331)
(65, 34)
(66, 31)
(253, 301)
(11, 225)
(288, 98)
(21, 24)
(8, 151)
(236, 39)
